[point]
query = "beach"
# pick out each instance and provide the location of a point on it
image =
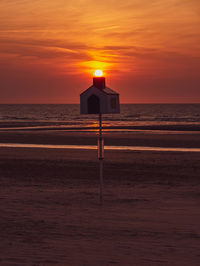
(100, 133)
(50, 209)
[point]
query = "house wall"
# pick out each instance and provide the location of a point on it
(84, 100)
(113, 106)
(106, 101)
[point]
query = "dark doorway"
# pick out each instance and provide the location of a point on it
(93, 104)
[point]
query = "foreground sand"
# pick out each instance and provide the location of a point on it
(50, 212)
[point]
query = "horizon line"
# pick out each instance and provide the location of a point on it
(79, 103)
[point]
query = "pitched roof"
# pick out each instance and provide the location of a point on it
(109, 91)
(105, 90)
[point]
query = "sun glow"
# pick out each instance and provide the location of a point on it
(98, 73)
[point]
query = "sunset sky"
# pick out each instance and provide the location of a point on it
(148, 49)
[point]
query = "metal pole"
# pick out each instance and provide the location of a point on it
(101, 157)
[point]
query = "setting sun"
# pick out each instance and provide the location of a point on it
(98, 73)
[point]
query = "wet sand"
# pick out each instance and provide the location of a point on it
(50, 212)
(155, 138)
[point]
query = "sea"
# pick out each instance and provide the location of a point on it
(177, 117)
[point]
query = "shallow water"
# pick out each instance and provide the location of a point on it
(68, 115)
(93, 147)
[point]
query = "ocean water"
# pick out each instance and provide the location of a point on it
(133, 116)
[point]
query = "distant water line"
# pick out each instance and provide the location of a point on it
(93, 147)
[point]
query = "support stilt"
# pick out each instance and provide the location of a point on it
(101, 158)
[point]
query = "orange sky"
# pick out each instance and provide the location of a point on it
(149, 50)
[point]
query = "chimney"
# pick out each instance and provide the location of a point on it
(99, 82)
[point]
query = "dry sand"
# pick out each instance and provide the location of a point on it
(50, 212)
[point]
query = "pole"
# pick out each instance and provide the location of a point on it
(101, 157)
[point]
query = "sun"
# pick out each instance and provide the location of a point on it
(98, 73)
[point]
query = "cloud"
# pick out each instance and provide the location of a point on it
(137, 41)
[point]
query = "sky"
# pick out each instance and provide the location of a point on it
(149, 50)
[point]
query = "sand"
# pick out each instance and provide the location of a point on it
(138, 138)
(50, 212)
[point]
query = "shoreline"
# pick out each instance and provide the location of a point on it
(92, 147)
(137, 138)
(62, 127)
